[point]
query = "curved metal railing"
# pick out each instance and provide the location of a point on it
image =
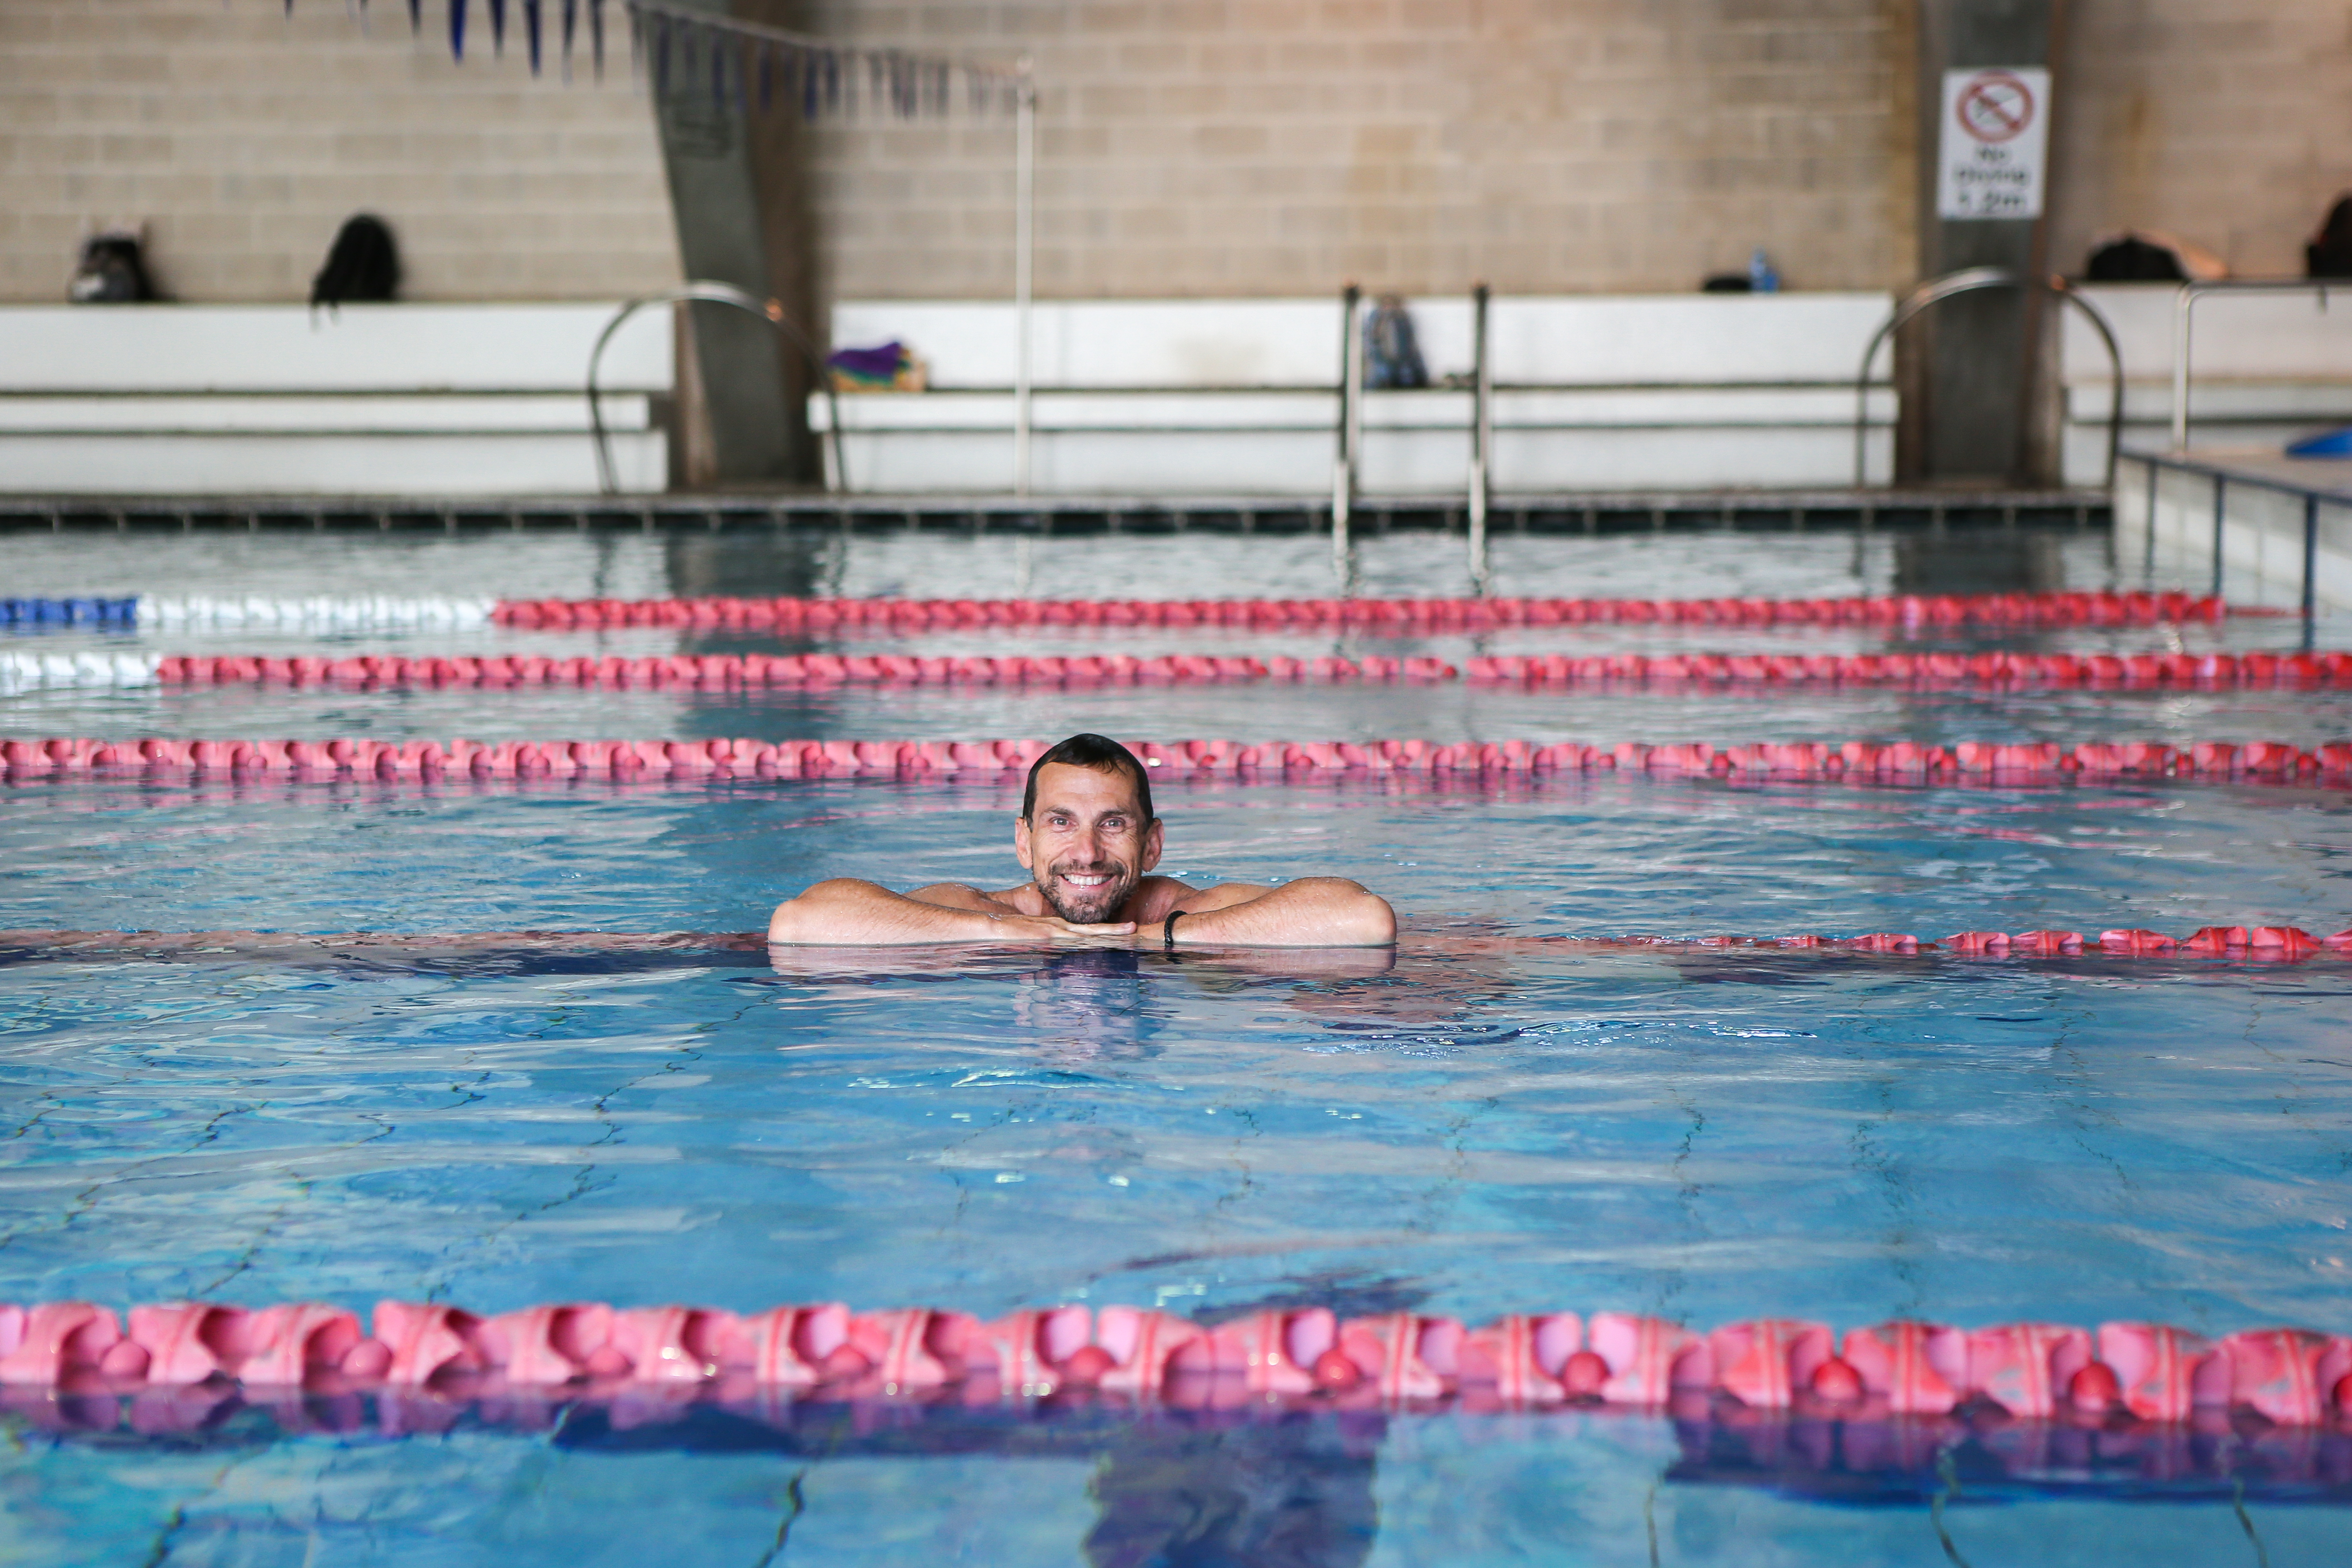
(772, 311)
(1967, 281)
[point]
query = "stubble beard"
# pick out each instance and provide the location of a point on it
(1100, 906)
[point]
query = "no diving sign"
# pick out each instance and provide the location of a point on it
(1996, 130)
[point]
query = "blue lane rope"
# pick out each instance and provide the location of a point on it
(70, 612)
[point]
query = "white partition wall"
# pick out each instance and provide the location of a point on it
(1233, 398)
(1171, 397)
(371, 400)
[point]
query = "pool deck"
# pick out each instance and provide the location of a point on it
(2267, 528)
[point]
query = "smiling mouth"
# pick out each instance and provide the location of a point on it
(1085, 895)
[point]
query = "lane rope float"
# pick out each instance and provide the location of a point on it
(730, 672)
(2149, 1373)
(53, 758)
(330, 613)
(734, 672)
(20, 669)
(1407, 616)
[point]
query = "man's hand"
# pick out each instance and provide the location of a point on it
(846, 912)
(1029, 930)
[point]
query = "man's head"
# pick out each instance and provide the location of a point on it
(1085, 832)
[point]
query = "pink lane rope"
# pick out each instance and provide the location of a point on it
(2236, 942)
(2146, 1372)
(898, 616)
(2143, 671)
(363, 943)
(706, 672)
(726, 672)
(1858, 761)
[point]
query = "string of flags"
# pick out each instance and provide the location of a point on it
(739, 63)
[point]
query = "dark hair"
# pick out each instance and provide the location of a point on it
(363, 266)
(1102, 755)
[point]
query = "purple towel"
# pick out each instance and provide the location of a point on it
(876, 364)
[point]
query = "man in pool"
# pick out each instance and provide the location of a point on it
(1088, 835)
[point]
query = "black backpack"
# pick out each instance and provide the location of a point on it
(112, 271)
(2132, 259)
(363, 266)
(2330, 255)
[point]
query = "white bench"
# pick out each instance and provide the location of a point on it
(1236, 398)
(379, 400)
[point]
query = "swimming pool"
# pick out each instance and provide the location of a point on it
(1483, 1127)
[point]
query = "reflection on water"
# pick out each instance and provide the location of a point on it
(1088, 1004)
(1266, 1486)
(1293, 1491)
(1981, 564)
(1084, 1006)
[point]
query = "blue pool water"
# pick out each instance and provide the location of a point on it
(1468, 1129)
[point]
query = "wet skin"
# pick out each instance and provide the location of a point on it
(1089, 851)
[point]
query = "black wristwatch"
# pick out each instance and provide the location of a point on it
(1168, 931)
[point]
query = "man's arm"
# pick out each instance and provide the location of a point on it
(846, 912)
(1313, 912)
(1330, 967)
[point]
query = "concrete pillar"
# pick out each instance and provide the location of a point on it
(739, 198)
(1977, 407)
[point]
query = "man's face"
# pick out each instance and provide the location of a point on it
(1087, 845)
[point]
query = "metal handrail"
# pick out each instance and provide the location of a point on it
(1482, 439)
(1351, 432)
(2184, 307)
(772, 313)
(1967, 279)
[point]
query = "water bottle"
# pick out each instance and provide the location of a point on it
(1761, 278)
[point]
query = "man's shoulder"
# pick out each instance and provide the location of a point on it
(1154, 897)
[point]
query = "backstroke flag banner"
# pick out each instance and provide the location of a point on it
(680, 49)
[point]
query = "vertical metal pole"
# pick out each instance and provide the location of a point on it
(2220, 490)
(1024, 204)
(1356, 399)
(2187, 298)
(1343, 466)
(2148, 556)
(2310, 566)
(1482, 437)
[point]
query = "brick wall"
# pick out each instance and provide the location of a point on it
(1192, 147)
(2230, 124)
(244, 139)
(1189, 147)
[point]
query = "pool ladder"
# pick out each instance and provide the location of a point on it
(1351, 439)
